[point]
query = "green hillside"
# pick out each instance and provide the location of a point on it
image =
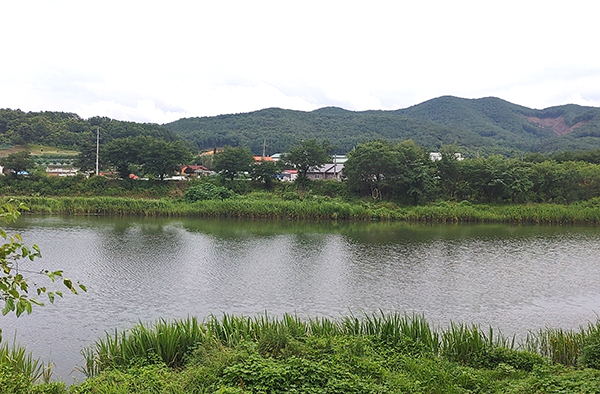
(512, 125)
(479, 126)
(67, 130)
(486, 125)
(280, 129)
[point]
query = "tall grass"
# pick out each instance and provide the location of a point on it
(163, 342)
(563, 346)
(20, 362)
(317, 208)
(170, 343)
(468, 344)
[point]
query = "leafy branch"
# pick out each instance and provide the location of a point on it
(15, 288)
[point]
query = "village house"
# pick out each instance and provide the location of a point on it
(61, 171)
(195, 170)
(258, 159)
(330, 171)
(289, 175)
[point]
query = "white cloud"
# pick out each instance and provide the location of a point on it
(145, 110)
(155, 61)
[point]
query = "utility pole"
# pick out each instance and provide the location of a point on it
(97, 148)
(335, 166)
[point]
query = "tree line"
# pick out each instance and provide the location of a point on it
(69, 130)
(406, 172)
(378, 169)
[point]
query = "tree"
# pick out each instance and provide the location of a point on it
(19, 162)
(123, 153)
(265, 172)
(231, 161)
(389, 170)
(14, 287)
(306, 156)
(371, 169)
(449, 172)
(415, 178)
(86, 159)
(161, 158)
(152, 156)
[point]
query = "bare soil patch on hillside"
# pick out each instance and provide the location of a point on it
(558, 125)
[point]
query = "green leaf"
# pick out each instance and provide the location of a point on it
(22, 306)
(9, 306)
(54, 275)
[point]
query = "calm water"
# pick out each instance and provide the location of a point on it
(513, 278)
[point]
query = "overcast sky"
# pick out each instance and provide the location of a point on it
(151, 61)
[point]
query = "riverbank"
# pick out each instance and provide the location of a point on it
(265, 206)
(375, 353)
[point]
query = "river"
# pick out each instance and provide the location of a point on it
(514, 278)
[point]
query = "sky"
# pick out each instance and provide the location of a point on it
(159, 61)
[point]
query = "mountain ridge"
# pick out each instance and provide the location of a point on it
(484, 125)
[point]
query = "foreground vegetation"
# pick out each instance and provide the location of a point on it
(378, 353)
(260, 206)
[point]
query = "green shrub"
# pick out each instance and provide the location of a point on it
(291, 196)
(517, 359)
(590, 356)
(207, 191)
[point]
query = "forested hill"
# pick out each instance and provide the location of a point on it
(486, 125)
(68, 130)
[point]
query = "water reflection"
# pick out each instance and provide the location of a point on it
(138, 269)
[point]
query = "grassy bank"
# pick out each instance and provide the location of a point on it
(368, 354)
(319, 208)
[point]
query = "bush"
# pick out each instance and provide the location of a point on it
(517, 359)
(207, 191)
(590, 356)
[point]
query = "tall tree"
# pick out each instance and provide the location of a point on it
(265, 172)
(161, 158)
(231, 161)
(86, 159)
(415, 178)
(387, 170)
(150, 155)
(308, 155)
(124, 153)
(449, 174)
(18, 162)
(371, 169)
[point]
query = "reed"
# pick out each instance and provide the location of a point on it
(164, 342)
(20, 362)
(563, 346)
(558, 345)
(318, 208)
(172, 343)
(463, 343)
